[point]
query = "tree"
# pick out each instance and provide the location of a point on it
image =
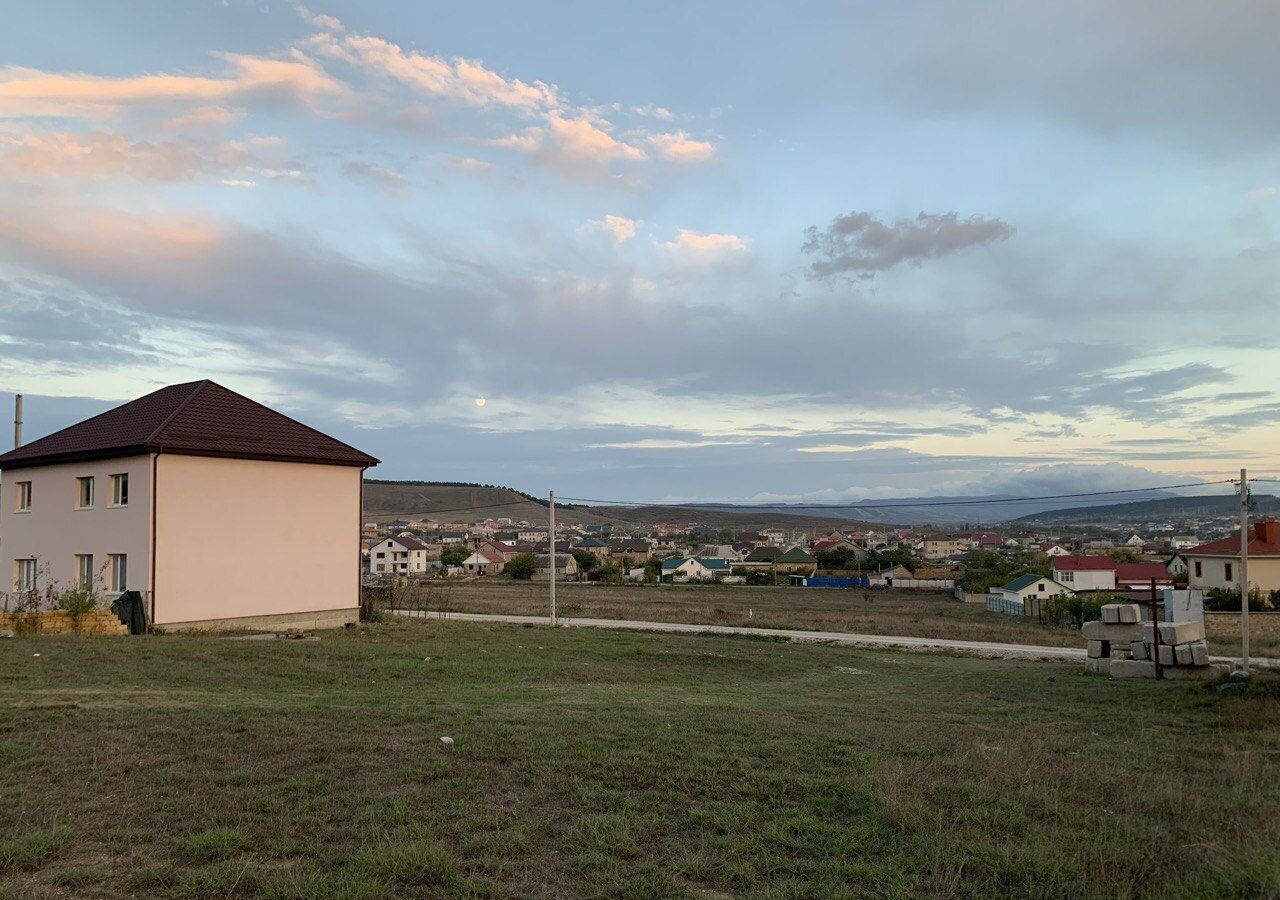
(453, 556)
(587, 561)
(1124, 555)
(839, 558)
(522, 566)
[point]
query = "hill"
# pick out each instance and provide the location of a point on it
(454, 501)
(1170, 510)
(945, 511)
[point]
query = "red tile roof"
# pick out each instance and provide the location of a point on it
(1264, 540)
(199, 419)
(1077, 563)
(1142, 571)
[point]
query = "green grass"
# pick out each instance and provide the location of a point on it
(611, 764)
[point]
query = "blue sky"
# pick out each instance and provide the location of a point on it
(683, 251)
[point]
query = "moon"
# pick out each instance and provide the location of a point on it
(480, 401)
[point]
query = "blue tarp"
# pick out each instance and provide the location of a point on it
(829, 581)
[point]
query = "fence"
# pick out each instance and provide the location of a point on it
(1002, 603)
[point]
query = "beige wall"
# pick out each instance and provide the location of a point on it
(1264, 572)
(54, 531)
(238, 538)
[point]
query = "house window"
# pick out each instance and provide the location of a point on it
(84, 492)
(84, 569)
(1198, 571)
(1040, 588)
(24, 574)
(1227, 571)
(22, 498)
(119, 572)
(120, 490)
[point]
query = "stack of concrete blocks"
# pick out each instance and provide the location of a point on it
(1111, 641)
(1123, 646)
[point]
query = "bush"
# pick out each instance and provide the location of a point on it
(1073, 611)
(522, 566)
(1228, 600)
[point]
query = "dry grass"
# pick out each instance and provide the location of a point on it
(899, 612)
(612, 764)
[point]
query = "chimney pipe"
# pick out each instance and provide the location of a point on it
(17, 421)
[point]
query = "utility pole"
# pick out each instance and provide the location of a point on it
(551, 557)
(1244, 570)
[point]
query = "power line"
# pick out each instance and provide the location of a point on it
(924, 503)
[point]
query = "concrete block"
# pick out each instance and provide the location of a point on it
(1167, 656)
(1199, 653)
(1111, 613)
(1102, 631)
(1138, 650)
(1121, 651)
(1123, 613)
(1099, 666)
(1182, 652)
(1132, 668)
(1099, 649)
(1176, 632)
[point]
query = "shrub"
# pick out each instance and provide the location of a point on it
(1074, 611)
(1228, 600)
(522, 566)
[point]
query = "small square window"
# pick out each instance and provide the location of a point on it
(120, 490)
(84, 492)
(22, 496)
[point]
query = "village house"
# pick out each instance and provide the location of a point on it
(796, 561)
(485, 561)
(1217, 563)
(166, 495)
(1085, 573)
(1032, 590)
(566, 566)
(398, 556)
(632, 549)
(694, 568)
(940, 546)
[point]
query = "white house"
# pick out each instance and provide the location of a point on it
(1085, 573)
(398, 556)
(1032, 589)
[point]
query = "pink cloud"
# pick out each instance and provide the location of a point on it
(679, 147)
(711, 242)
(97, 154)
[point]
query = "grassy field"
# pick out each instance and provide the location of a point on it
(613, 764)
(899, 612)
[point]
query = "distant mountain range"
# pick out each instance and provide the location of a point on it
(1171, 510)
(944, 510)
(464, 502)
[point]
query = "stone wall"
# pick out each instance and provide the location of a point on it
(59, 622)
(1227, 624)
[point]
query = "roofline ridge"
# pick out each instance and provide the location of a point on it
(199, 386)
(315, 431)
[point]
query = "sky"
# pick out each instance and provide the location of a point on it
(797, 251)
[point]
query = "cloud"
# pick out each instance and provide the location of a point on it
(620, 228)
(710, 242)
(294, 78)
(389, 180)
(679, 147)
(467, 165)
(98, 154)
(862, 244)
(319, 20)
(463, 81)
(1261, 193)
(1199, 76)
